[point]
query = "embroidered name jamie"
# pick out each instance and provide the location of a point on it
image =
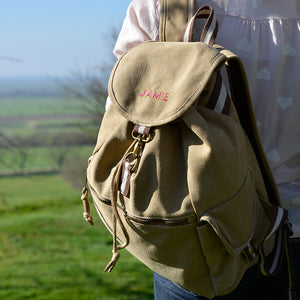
(163, 96)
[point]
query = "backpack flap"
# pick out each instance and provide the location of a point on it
(156, 82)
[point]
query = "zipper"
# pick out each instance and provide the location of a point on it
(162, 221)
(186, 220)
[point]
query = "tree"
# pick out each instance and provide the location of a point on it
(90, 88)
(17, 148)
(7, 142)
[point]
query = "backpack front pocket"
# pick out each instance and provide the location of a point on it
(227, 236)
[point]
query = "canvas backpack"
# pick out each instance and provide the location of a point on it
(178, 174)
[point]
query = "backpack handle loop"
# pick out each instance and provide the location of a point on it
(209, 31)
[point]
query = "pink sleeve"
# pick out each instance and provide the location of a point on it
(140, 24)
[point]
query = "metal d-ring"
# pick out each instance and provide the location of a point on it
(133, 161)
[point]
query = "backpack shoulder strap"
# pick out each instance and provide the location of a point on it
(240, 90)
(174, 14)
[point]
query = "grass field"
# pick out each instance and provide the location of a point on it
(42, 158)
(47, 250)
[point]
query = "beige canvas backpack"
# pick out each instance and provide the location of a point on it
(178, 174)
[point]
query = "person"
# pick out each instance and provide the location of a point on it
(266, 35)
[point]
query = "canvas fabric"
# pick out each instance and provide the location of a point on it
(175, 176)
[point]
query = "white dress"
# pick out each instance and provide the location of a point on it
(266, 35)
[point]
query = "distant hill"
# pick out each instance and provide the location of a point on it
(29, 87)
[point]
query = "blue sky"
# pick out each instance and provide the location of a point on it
(54, 37)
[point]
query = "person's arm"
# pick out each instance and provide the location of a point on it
(140, 24)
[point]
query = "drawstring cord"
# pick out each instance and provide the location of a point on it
(116, 219)
(135, 151)
(85, 200)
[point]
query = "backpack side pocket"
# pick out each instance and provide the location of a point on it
(228, 236)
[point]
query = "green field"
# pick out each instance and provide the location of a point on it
(17, 107)
(43, 158)
(47, 250)
(43, 129)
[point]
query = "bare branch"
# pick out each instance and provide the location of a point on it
(10, 58)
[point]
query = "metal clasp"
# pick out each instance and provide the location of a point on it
(137, 150)
(141, 137)
(134, 156)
